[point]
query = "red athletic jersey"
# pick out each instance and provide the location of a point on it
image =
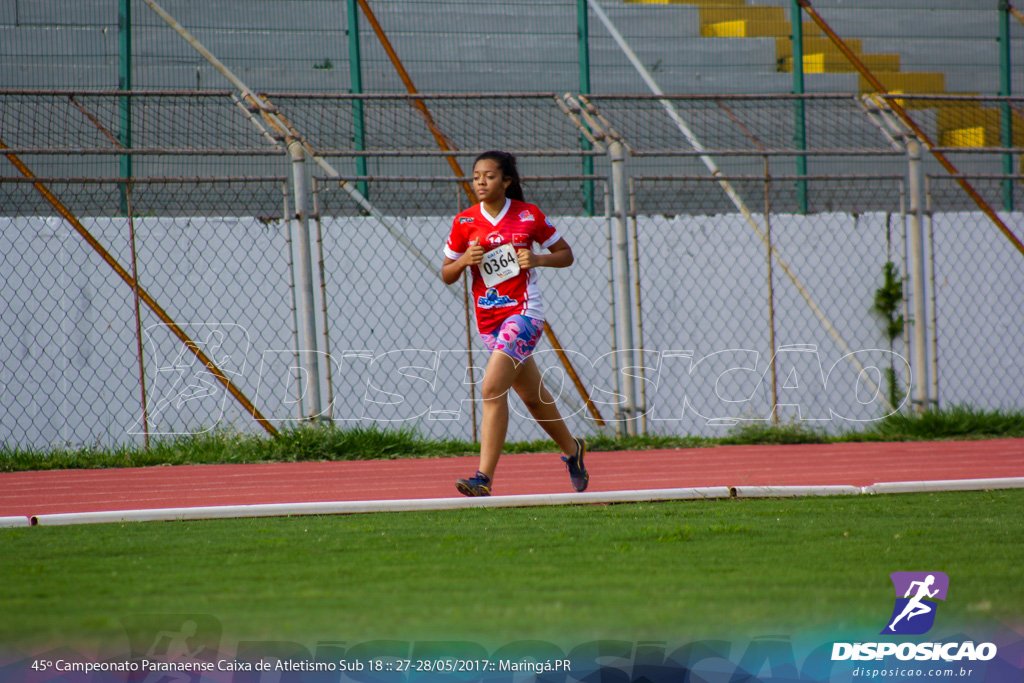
(519, 224)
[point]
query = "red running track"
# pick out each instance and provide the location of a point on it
(856, 464)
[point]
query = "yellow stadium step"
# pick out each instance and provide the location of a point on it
(917, 82)
(826, 62)
(748, 22)
(822, 56)
(968, 124)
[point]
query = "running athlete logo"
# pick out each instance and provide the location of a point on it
(914, 613)
(490, 299)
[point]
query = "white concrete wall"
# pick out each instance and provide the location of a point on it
(70, 372)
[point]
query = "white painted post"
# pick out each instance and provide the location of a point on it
(917, 271)
(304, 255)
(624, 307)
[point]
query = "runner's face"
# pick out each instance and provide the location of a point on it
(489, 182)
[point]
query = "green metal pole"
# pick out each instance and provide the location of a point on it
(124, 83)
(355, 67)
(799, 124)
(1004, 90)
(583, 43)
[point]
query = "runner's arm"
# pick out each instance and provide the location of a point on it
(451, 270)
(559, 256)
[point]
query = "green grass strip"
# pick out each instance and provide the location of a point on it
(329, 443)
(563, 574)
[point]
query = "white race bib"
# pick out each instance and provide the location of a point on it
(499, 265)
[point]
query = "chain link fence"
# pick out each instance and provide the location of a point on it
(387, 308)
(73, 374)
(696, 300)
(975, 313)
(741, 314)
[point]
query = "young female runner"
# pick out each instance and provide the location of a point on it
(494, 239)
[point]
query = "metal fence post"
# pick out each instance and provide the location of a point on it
(322, 272)
(934, 290)
(287, 217)
(624, 323)
(138, 316)
(124, 84)
(771, 287)
(355, 70)
(800, 121)
(309, 340)
(611, 306)
(1006, 115)
(583, 45)
(917, 267)
(642, 421)
(907, 318)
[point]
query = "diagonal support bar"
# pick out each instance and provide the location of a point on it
(1018, 15)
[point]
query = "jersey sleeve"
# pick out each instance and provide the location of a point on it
(547, 233)
(456, 244)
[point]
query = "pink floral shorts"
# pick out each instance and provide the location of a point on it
(516, 337)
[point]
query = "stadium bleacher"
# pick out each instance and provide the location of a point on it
(689, 46)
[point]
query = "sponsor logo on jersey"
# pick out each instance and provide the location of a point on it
(466, 220)
(549, 223)
(491, 299)
(526, 216)
(520, 240)
(494, 238)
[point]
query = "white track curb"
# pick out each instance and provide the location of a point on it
(354, 507)
(592, 498)
(792, 491)
(945, 485)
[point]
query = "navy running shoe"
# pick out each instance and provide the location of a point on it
(477, 485)
(577, 470)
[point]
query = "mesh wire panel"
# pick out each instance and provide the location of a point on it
(709, 312)
(974, 320)
(81, 134)
(179, 134)
(387, 307)
(533, 124)
(834, 122)
(212, 198)
(71, 346)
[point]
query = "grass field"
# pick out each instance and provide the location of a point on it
(326, 443)
(664, 570)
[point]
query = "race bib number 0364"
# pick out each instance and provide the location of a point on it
(499, 265)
